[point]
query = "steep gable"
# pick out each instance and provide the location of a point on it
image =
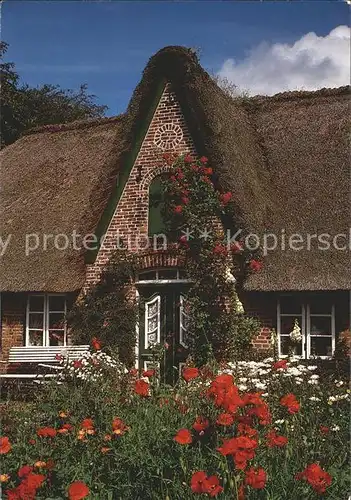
(167, 133)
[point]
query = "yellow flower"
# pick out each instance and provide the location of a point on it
(104, 449)
(63, 414)
(4, 478)
(40, 464)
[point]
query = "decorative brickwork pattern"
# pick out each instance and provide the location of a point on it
(167, 132)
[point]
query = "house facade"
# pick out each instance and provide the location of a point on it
(73, 193)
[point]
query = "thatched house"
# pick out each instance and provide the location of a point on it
(285, 158)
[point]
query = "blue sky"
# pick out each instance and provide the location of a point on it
(107, 44)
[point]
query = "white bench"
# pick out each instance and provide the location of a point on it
(41, 355)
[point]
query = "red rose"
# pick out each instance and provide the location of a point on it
(220, 249)
(188, 158)
(96, 344)
(203, 160)
(208, 171)
(178, 209)
(255, 265)
(185, 200)
(226, 197)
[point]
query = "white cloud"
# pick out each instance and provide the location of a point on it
(312, 62)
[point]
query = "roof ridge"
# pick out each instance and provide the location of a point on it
(301, 94)
(77, 124)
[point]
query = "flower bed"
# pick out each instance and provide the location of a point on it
(256, 430)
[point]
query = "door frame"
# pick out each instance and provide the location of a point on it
(143, 284)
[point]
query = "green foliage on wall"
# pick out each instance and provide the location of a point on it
(108, 310)
(195, 211)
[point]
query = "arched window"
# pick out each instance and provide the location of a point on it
(156, 223)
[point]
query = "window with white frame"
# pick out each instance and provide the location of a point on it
(313, 318)
(153, 322)
(45, 321)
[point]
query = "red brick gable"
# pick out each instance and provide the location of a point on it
(167, 132)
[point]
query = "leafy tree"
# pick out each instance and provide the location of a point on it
(24, 107)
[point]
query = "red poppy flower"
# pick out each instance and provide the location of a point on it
(78, 490)
(318, 478)
(274, 440)
(47, 432)
(34, 481)
(142, 388)
(280, 364)
(225, 419)
(247, 430)
(211, 486)
(200, 424)
(226, 197)
(96, 344)
(178, 209)
(24, 471)
(255, 265)
(290, 402)
(5, 445)
(119, 427)
(87, 423)
(148, 373)
(189, 373)
(197, 482)
(133, 372)
(65, 428)
(183, 436)
(242, 449)
(256, 478)
(324, 429)
(203, 160)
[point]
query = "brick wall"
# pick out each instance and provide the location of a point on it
(12, 324)
(167, 133)
(262, 305)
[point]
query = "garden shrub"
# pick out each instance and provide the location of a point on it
(109, 309)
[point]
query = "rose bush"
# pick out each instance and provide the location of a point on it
(255, 430)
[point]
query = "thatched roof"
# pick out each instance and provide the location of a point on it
(284, 157)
